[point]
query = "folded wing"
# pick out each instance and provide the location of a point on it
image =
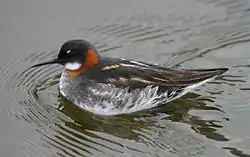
(139, 75)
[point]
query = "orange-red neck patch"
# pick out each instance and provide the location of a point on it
(91, 60)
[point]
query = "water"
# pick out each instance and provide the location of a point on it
(212, 121)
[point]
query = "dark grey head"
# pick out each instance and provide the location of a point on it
(74, 54)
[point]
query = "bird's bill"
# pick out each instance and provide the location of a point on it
(54, 61)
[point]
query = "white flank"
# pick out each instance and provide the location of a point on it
(73, 66)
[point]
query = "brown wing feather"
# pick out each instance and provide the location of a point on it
(138, 75)
(185, 77)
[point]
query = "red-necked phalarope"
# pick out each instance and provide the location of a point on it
(111, 86)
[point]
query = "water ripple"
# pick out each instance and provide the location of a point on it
(171, 130)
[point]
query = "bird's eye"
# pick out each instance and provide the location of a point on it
(68, 52)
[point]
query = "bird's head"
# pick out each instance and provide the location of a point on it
(76, 56)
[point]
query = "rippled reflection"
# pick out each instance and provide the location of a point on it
(72, 131)
(185, 127)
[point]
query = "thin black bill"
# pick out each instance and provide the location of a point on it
(54, 61)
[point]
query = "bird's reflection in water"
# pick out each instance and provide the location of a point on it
(125, 126)
(179, 111)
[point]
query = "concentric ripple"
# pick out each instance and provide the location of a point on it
(66, 130)
(32, 96)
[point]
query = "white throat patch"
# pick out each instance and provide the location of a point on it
(73, 66)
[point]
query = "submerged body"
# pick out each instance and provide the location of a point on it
(111, 86)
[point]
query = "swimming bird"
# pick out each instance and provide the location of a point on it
(112, 86)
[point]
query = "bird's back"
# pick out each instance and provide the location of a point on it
(134, 74)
